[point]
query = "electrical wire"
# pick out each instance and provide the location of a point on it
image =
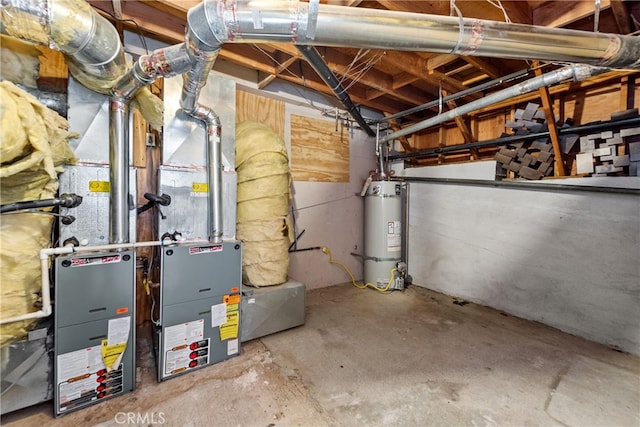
(327, 251)
(324, 203)
(362, 70)
(498, 4)
(138, 28)
(267, 54)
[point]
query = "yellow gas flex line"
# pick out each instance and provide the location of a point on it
(327, 251)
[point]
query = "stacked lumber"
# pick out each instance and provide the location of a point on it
(608, 152)
(528, 160)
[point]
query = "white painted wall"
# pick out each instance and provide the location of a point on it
(567, 259)
(330, 213)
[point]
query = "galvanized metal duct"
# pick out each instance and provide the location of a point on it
(255, 21)
(577, 72)
(90, 43)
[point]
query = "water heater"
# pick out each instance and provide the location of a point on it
(384, 263)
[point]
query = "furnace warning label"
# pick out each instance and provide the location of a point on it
(185, 347)
(81, 378)
(229, 328)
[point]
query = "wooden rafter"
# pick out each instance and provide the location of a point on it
(547, 107)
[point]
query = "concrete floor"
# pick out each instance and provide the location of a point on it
(412, 358)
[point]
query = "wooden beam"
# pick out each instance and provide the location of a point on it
(375, 79)
(561, 13)
(518, 11)
(473, 80)
(622, 16)
(626, 89)
(547, 107)
(465, 131)
(437, 61)
(459, 69)
(403, 79)
(484, 66)
(177, 8)
(406, 145)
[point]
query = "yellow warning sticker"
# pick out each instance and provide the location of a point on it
(99, 186)
(230, 328)
(199, 187)
(112, 354)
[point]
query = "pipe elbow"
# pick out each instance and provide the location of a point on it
(206, 26)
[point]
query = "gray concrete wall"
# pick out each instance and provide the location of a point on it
(567, 259)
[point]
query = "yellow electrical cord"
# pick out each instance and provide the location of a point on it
(327, 251)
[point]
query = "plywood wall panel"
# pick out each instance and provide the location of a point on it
(318, 152)
(260, 109)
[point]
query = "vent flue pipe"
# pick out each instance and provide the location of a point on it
(162, 62)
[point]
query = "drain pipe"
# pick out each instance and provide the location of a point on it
(314, 59)
(574, 72)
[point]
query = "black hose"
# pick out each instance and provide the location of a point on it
(65, 200)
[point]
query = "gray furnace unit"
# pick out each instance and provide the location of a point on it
(200, 295)
(94, 351)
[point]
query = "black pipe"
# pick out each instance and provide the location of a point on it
(314, 59)
(457, 95)
(614, 124)
(65, 200)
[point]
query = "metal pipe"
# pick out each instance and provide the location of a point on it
(380, 149)
(456, 95)
(596, 127)
(214, 170)
(314, 59)
(575, 72)
(203, 51)
(522, 185)
(162, 62)
(118, 170)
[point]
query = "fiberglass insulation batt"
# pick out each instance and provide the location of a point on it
(33, 146)
(262, 166)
